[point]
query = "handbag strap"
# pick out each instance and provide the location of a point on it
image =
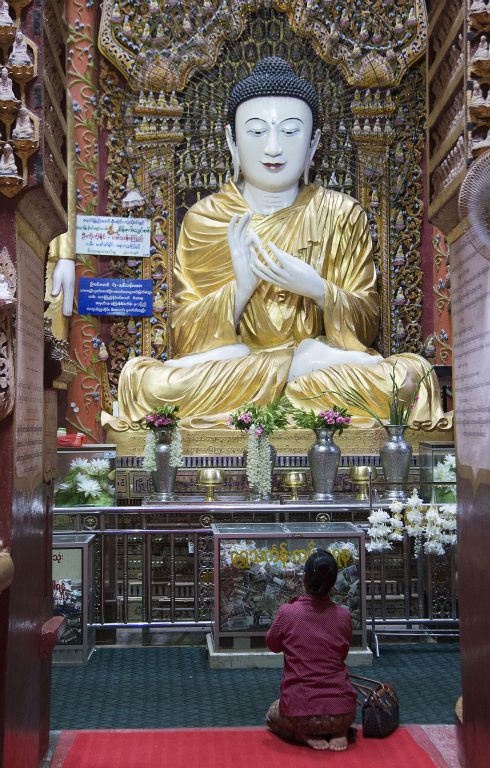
(363, 692)
(374, 696)
(366, 679)
(367, 691)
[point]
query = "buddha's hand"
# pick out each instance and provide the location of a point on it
(241, 241)
(288, 273)
(64, 280)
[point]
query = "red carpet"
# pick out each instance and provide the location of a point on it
(228, 748)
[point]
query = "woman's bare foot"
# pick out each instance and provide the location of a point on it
(338, 744)
(319, 743)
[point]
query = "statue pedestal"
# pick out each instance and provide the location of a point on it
(222, 444)
(223, 449)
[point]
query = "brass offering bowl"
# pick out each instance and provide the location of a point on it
(294, 480)
(360, 476)
(210, 478)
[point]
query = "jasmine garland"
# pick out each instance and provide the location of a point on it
(259, 466)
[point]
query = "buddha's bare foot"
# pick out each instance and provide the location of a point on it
(338, 744)
(318, 743)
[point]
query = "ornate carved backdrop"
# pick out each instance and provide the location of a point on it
(164, 129)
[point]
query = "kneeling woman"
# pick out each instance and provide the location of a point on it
(318, 703)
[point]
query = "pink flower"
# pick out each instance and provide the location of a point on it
(245, 418)
(347, 419)
(259, 431)
(163, 421)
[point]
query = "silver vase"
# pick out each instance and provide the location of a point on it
(164, 475)
(324, 460)
(396, 457)
(255, 494)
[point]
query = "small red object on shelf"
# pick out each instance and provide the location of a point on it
(70, 441)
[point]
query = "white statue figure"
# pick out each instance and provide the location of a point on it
(275, 281)
(477, 95)
(133, 197)
(24, 128)
(481, 53)
(5, 18)
(5, 290)
(7, 162)
(6, 90)
(478, 6)
(63, 279)
(19, 55)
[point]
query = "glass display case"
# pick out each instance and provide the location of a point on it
(73, 589)
(437, 472)
(260, 566)
(86, 476)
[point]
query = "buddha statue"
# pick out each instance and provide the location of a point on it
(23, 128)
(274, 282)
(5, 17)
(6, 294)
(8, 166)
(19, 55)
(6, 90)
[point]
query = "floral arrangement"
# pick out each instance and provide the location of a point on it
(432, 527)
(398, 409)
(445, 472)
(88, 482)
(335, 419)
(164, 417)
(260, 421)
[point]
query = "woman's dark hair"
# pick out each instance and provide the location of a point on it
(320, 573)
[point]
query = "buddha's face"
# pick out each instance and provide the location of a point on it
(273, 141)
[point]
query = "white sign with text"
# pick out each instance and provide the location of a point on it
(113, 236)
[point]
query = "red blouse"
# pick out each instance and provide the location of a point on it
(314, 634)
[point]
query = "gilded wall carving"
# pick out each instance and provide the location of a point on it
(372, 42)
(19, 126)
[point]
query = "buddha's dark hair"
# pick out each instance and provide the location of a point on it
(320, 573)
(272, 76)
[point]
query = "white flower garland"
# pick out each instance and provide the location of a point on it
(396, 522)
(379, 531)
(449, 524)
(259, 466)
(149, 461)
(414, 520)
(432, 529)
(176, 458)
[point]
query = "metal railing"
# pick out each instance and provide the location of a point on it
(152, 573)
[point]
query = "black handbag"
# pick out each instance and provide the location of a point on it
(380, 707)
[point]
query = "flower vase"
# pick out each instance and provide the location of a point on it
(260, 479)
(164, 475)
(324, 460)
(396, 457)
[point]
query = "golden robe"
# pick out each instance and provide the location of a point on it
(324, 228)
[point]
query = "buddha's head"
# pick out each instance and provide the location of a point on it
(272, 126)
